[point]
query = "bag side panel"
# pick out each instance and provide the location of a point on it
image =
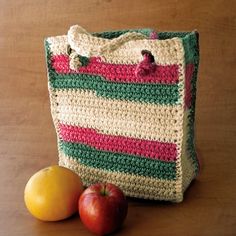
(189, 159)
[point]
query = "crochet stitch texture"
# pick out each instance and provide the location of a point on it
(123, 105)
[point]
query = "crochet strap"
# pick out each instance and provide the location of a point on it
(87, 45)
(84, 44)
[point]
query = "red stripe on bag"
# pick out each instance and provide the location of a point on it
(146, 148)
(188, 77)
(166, 74)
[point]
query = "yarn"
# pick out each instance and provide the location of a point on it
(123, 105)
(146, 148)
(164, 74)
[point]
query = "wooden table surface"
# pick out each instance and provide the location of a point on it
(27, 135)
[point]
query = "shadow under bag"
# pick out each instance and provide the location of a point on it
(123, 105)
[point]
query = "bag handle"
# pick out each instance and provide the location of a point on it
(87, 45)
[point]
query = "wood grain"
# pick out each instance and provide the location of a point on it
(28, 140)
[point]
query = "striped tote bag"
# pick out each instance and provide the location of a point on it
(123, 106)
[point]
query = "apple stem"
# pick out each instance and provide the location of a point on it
(104, 191)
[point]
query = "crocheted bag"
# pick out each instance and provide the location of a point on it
(123, 107)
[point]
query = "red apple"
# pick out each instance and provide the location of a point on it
(103, 208)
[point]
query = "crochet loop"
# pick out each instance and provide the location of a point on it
(147, 66)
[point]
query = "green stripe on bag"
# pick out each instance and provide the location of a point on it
(118, 162)
(153, 93)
